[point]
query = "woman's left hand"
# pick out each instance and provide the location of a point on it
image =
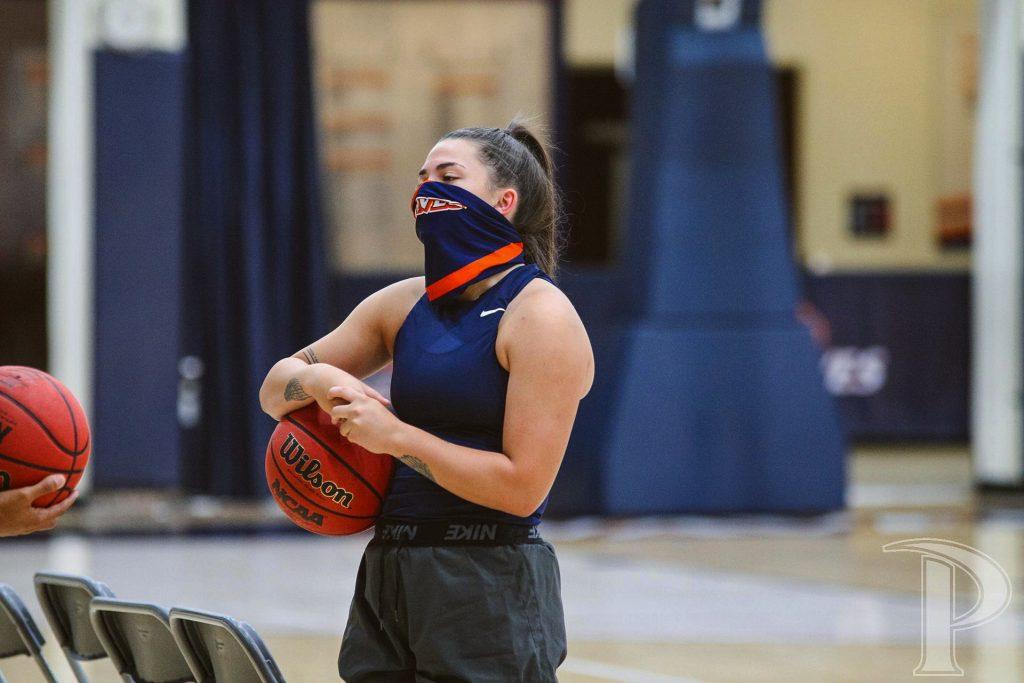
(364, 421)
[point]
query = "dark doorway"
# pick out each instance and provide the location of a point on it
(597, 163)
(787, 93)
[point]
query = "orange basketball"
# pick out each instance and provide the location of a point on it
(43, 431)
(325, 483)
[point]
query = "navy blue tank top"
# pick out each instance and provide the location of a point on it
(447, 381)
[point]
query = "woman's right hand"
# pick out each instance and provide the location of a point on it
(293, 383)
(324, 377)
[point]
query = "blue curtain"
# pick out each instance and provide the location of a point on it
(254, 265)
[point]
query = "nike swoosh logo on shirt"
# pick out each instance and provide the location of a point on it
(493, 310)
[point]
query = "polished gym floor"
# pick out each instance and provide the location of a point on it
(657, 599)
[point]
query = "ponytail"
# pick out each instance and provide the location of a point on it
(518, 158)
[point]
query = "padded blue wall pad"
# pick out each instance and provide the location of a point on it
(729, 420)
(721, 406)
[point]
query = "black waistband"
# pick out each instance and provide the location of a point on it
(464, 532)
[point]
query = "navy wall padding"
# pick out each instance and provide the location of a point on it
(719, 421)
(256, 276)
(721, 406)
(715, 196)
(921, 324)
(139, 133)
(706, 194)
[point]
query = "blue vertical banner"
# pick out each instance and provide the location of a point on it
(721, 405)
(254, 261)
(139, 216)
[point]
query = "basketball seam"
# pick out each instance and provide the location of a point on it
(57, 498)
(74, 436)
(71, 413)
(67, 478)
(43, 426)
(337, 457)
(33, 465)
(273, 459)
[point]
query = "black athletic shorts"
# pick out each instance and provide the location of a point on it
(461, 612)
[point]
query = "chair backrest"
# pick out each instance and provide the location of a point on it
(19, 634)
(220, 649)
(138, 639)
(65, 600)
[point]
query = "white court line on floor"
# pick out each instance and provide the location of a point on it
(908, 495)
(620, 674)
(698, 526)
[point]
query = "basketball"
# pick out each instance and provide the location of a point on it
(323, 482)
(43, 431)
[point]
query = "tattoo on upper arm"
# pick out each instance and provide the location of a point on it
(418, 465)
(310, 355)
(293, 391)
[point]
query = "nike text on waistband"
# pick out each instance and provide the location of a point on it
(467, 532)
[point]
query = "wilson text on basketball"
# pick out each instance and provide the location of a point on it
(308, 468)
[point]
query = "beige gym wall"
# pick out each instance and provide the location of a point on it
(882, 107)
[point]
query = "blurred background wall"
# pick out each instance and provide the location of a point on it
(875, 100)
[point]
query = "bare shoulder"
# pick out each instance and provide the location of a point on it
(543, 324)
(394, 303)
(408, 290)
(541, 302)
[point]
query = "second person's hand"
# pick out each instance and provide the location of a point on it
(17, 516)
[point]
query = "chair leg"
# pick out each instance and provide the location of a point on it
(45, 668)
(76, 668)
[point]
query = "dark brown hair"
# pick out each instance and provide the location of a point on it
(518, 158)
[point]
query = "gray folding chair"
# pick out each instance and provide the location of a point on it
(19, 634)
(220, 649)
(65, 600)
(137, 637)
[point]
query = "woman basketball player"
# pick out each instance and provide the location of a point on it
(490, 363)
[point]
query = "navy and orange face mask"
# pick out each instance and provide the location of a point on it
(465, 239)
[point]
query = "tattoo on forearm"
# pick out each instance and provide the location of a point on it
(293, 391)
(310, 355)
(418, 465)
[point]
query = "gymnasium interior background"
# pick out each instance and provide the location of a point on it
(799, 262)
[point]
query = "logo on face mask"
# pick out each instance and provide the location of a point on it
(434, 204)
